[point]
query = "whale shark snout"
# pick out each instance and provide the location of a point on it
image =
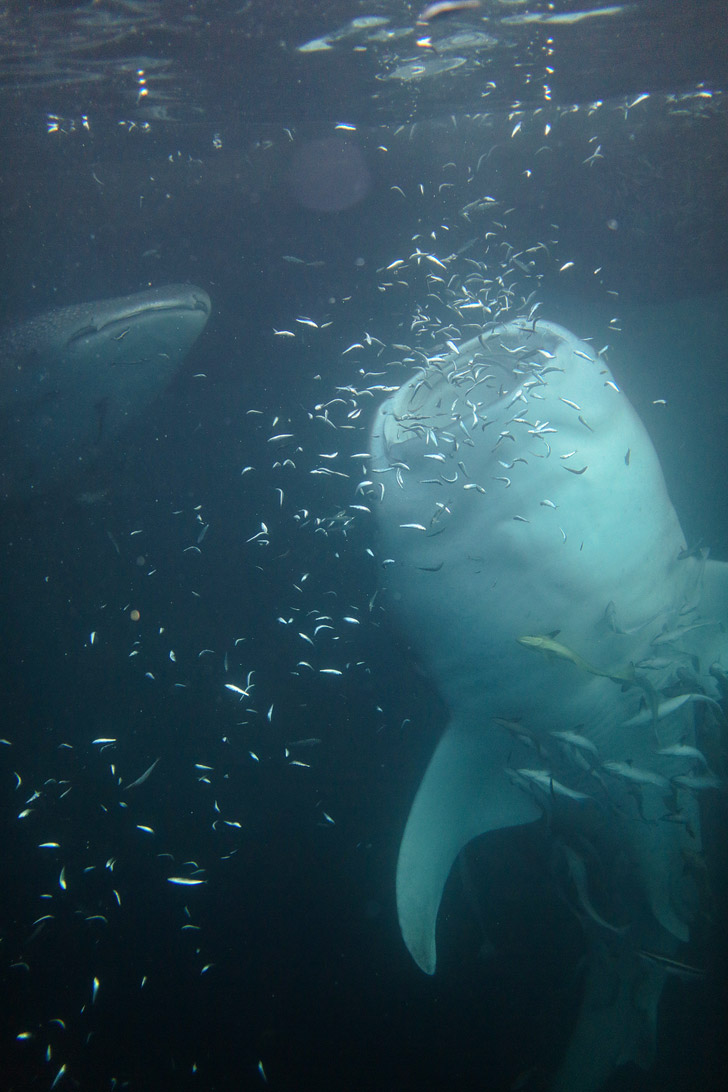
(73, 378)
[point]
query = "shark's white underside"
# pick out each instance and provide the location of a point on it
(523, 496)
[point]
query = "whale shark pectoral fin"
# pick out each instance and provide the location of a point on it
(465, 792)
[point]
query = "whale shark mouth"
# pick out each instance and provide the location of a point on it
(172, 301)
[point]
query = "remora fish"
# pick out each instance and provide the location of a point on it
(627, 676)
(72, 378)
(685, 971)
(550, 647)
(577, 871)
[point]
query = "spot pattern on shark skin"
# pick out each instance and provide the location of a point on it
(63, 393)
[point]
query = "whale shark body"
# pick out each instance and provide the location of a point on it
(542, 579)
(71, 379)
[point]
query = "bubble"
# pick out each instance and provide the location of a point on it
(329, 175)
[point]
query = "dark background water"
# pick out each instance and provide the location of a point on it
(309, 974)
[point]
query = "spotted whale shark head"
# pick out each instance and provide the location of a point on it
(541, 577)
(73, 377)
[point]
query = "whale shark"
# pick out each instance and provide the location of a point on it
(539, 574)
(73, 377)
